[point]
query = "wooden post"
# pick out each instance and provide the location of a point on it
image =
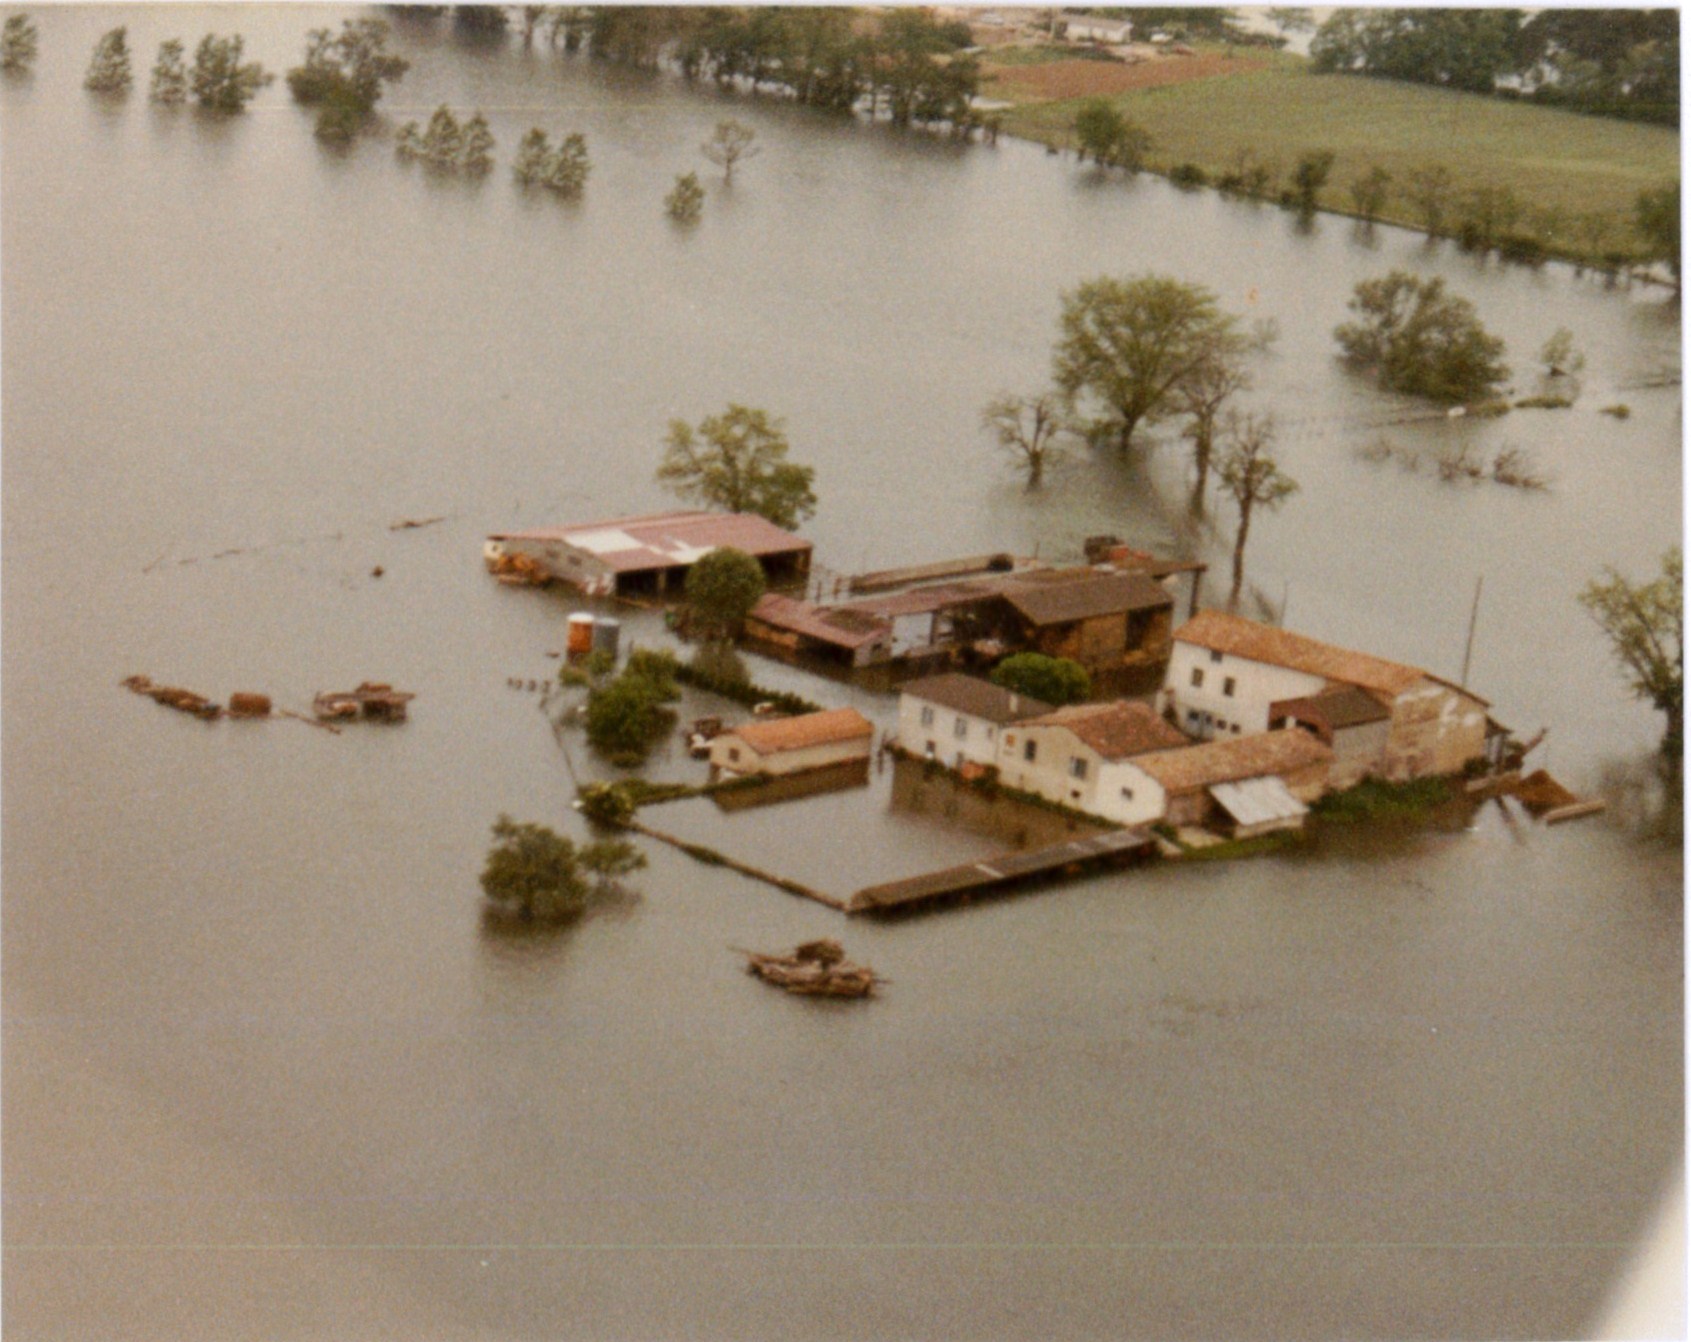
(1473, 619)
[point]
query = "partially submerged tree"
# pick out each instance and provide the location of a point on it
(221, 80)
(737, 461)
(1657, 216)
(1420, 340)
(729, 143)
(1027, 428)
(1309, 177)
(1055, 680)
(1201, 396)
(1370, 192)
(170, 73)
(534, 874)
(108, 68)
(1104, 131)
(19, 42)
(1560, 357)
(686, 201)
(563, 169)
(722, 587)
(1252, 479)
(1429, 191)
(1645, 623)
(475, 147)
(447, 144)
(1131, 344)
(345, 74)
(626, 716)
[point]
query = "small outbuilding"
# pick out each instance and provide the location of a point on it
(792, 745)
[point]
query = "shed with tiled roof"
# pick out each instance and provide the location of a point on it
(792, 745)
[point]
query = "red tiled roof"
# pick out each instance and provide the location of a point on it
(804, 731)
(1116, 730)
(1234, 634)
(1267, 753)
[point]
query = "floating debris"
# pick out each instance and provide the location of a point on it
(518, 570)
(172, 696)
(408, 523)
(373, 700)
(249, 705)
(816, 968)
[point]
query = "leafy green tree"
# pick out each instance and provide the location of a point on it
(722, 587)
(1027, 427)
(1429, 191)
(1131, 344)
(1291, 19)
(1657, 216)
(737, 461)
(1099, 126)
(170, 74)
(1559, 356)
(475, 148)
(1645, 623)
(1310, 176)
(19, 42)
(626, 717)
(1370, 192)
(1202, 395)
(1489, 213)
(1053, 680)
(569, 166)
(344, 75)
(108, 69)
(730, 142)
(1419, 340)
(686, 202)
(534, 157)
(1452, 48)
(534, 874)
(221, 80)
(1252, 479)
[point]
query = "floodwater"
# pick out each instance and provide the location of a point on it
(266, 1075)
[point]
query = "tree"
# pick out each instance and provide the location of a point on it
(722, 587)
(534, 158)
(1420, 340)
(1645, 623)
(1429, 191)
(19, 42)
(475, 146)
(108, 69)
(1131, 344)
(567, 172)
(1657, 215)
(1310, 176)
(1201, 396)
(1453, 48)
(1253, 479)
(1054, 680)
(1291, 19)
(345, 74)
(536, 875)
(626, 716)
(730, 142)
(221, 81)
(1109, 136)
(170, 74)
(1559, 356)
(1027, 428)
(687, 201)
(1369, 193)
(737, 461)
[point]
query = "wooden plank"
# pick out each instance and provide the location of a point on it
(1575, 811)
(972, 877)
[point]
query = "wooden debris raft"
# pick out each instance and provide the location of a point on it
(375, 701)
(816, 968)
(172, 696)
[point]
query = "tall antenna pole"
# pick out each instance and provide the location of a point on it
(1473, 619)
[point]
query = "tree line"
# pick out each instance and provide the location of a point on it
(1606, 62)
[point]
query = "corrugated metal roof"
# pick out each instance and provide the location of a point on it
(1236, 757)
(1258, 801)
(1065, 595)
(843, 628)
(976, 697)
(667, 540)
(1116, 730)
(804, 731)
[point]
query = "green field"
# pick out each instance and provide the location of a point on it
(1577, 177)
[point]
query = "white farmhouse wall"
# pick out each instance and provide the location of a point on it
(945, 734)
(1207, 710)
(1111, 789)
(723, 755)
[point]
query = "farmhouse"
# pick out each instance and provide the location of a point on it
(1082, 27)
(1081, 755)
(1229, 676)
(958, 719)
(791, 745)
(1099, 619)
(650, 554)
(1249, 786)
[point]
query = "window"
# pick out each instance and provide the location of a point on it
(927, 715)
(1197, 677)
(1235, 729)
(960, 728)
(1227, 686)
(989, 731)
(1215, 657)
(1030, 749)
(734, 754)
(1077, 767)
(1127, 794)
(1192, 715)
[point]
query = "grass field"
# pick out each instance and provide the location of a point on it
(1577, 176)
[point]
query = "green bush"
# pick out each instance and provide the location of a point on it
(1056, 680)
(626, 718)
(536, 875)
(1188, 175)
(1376, 799)
(741, 691)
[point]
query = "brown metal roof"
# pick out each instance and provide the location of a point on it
(1234, 634)
(976, 697)
(1339, 707)
(1116, 730)
(1062, 596)
(1276, 753)
(840, 627)
(804, 731)
(667, 540)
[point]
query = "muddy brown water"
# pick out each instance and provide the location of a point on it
(265, 1075)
